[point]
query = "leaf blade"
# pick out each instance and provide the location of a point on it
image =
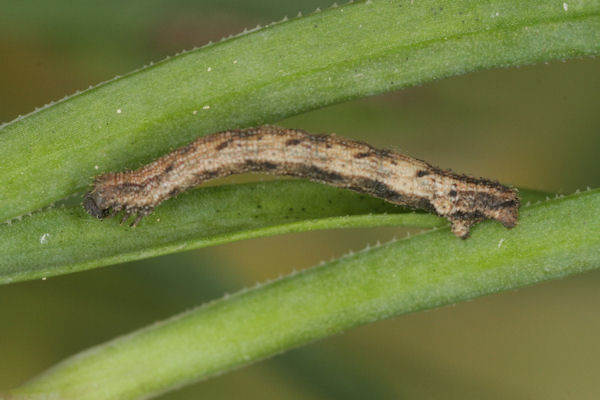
(555, 238)
(339, 54)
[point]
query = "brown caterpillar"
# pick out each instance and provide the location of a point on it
(329, 159)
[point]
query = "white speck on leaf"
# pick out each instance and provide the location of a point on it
(209, 69)
(119, 111)
(96, 167)
(206, 107)
(565, 6)
(195, 112)
(44, 238)
(500, 243)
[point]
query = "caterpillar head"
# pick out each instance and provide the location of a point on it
(95, 205)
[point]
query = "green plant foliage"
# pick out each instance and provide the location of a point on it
(555, 238)
(66, 239)
(63, 240)
(284, 69)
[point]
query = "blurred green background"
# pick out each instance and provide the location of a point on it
(536, 127)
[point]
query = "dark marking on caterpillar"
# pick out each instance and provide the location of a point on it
(293, 142)
(222, 145)
(386, 174)
(361, 155)
(257, 166)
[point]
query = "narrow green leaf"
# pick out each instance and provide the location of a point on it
(554, 239)
(287, 68)
(63, 240)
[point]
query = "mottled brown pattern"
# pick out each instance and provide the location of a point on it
(349, 164)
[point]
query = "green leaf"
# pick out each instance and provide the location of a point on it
(63, 240)
(554, 239)
(284, 69)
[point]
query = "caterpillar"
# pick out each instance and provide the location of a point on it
(354, 165)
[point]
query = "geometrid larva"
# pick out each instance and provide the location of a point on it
(329, 159)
